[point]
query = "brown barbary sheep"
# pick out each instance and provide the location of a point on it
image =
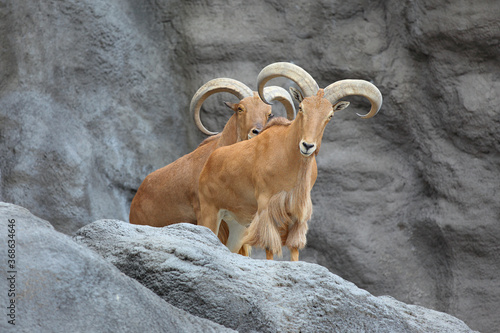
(265, 183)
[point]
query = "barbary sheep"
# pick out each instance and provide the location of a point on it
(261, 187)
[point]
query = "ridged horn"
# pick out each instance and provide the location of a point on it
(293, 72)
(275, 93)
(343, 88)
(235, 87)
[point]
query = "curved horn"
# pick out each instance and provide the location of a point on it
(343, 88)
(214, 86)
(275, 93)
(293, 72)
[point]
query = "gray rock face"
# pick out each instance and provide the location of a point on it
(94, 96)
(78, 78)
(188, 267)
(60, 286)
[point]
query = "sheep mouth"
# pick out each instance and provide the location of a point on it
(307, 152)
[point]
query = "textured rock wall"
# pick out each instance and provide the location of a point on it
(94, 94)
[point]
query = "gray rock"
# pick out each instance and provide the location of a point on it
(60, 286)
(188, 267)
(94, 96)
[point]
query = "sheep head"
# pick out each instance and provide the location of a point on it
(251, 113)
(317, 106)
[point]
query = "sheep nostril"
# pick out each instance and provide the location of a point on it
(307, 146)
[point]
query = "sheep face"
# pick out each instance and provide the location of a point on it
(252, 115)
(314, 113)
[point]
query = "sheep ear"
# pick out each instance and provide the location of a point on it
(232, 106)
(340, 106)
(296, 94)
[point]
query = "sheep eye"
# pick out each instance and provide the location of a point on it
(240, 110)
(300, 108)
(270, 116)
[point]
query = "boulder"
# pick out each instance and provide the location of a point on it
(57, 285)
(187, 266)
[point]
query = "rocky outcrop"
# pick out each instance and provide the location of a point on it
(57, 285)
(188, 267)
(94, 96)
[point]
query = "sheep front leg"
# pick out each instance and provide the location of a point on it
(269, 255)
(245, 250)
(294, 254)
(262, 231)
(208, 216)
(296, 239)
